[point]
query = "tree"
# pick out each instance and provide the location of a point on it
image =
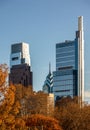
(73, 117)
(3, 76)
(19, 103)
(41, 122)
(38, 103)
(31, 102)
(9, 106)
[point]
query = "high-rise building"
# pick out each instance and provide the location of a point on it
(20, 66)
(48, 84)
(68, 79)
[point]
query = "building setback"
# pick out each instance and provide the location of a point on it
(68, 79)
(20, 66)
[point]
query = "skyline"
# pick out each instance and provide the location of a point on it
(42, 24)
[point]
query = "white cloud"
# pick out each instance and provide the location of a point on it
(87, 94)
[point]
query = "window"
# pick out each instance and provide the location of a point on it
(15, 58)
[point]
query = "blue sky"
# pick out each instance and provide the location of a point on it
(43, 23)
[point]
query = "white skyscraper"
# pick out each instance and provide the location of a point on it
(81, 58)
(20, 54)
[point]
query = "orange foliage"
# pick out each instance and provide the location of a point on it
(38, 120)
(73, 117)
(3, 75)
(9, 107)
(19, 123)
(31, 102)
(18, 101)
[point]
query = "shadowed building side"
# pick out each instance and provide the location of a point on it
(20, 74)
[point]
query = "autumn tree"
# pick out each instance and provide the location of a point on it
(73, 117)
(38, 103)
(41, 122)
(9, 106)
(17, 104)
(31, 102)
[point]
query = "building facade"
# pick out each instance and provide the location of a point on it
(50, 103)
(68, 79)
(20, 66)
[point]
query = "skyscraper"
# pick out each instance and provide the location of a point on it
(68, 79)
(19, 54)
(20, 66)
(48, 84)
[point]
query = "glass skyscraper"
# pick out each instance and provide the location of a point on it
(48, 84)
(68, 79)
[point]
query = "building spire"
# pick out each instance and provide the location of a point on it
(80, 23)
(81, 59)
(49, 68)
